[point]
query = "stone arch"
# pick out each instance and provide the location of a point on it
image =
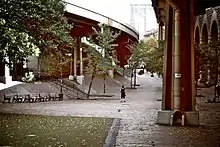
(214, 29)
(196, 49)
(213, 42)
(209, 13)
(204, 33)
(204, 37)
(197, 28)
(217, 11)
(197, 36)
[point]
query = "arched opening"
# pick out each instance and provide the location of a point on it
(215, 52)
(205, 34)
(197, 36)
(214, 33)
(204, 61)
(196, 48)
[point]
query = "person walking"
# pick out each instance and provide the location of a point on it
(123, 93)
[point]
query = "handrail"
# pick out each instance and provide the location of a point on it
(126, 26)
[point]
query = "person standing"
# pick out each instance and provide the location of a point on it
(123, 93)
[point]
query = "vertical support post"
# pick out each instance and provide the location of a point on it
(71, 77)
(159, 32)
(75, 61)
(78, 46)
(177, 73)
(193, 71)
(79, 68)
(81, 62)
(167, 80)
(187, 55)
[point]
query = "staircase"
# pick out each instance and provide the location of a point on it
(70, 89)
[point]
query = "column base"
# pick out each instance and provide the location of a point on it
(80, 79)
(188, 118)
(6, 80)
(71, 77)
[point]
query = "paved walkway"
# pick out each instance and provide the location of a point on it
(138, 115)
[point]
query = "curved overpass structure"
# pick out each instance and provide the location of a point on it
(84, 19)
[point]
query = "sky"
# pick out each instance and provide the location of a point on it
(121, 11)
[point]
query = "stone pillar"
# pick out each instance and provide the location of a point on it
(177, 73)
(75, 62)
(79, 68)
(81, 61)
(159, 32)
(71, 77)
(167, 80)
(183, 70)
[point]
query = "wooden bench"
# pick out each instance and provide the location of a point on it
(41, 97)
(54, 96)
(7, 97)
(17, 98)
(29, 97)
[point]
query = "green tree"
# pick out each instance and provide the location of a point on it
(154, 55)
(100, 57)
(29, 24)
(138, 54)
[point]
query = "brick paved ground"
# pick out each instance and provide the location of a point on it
(138, 115)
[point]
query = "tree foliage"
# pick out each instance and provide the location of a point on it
(149, 52)
(26, 25)
(100, 56)
(154, 55)
(138, 54)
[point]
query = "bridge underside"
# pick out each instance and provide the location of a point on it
(178, 102)
(82, 27)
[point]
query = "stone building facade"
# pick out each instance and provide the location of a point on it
(207, 39)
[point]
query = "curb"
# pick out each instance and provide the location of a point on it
(110, 140)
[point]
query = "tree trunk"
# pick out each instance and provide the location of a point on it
(90, 85)
(104, 81)
(135, 77)
(131, 76)
(61, 82)
(38, 67)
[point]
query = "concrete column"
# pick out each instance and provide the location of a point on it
(79, 68)
(177, 73)
(159, 32)
(81, 61)
(167, 80)
(75, 62)
(80, 77)
(71, 77)
(183, 78)
(193, 78)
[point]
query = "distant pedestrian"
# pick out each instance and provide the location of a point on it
(123, 94)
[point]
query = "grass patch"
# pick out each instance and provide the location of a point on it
(34, 130)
